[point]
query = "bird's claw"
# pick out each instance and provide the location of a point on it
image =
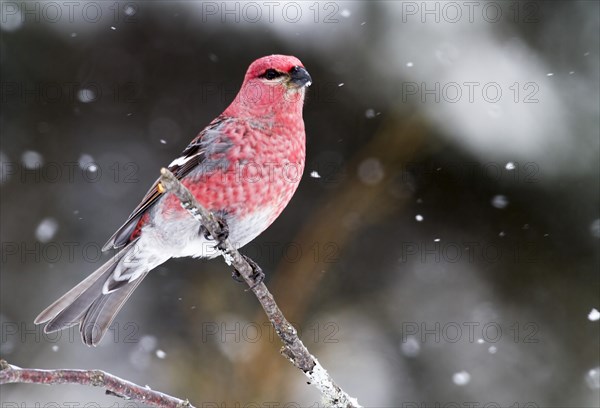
(221, 236)
(258, 276)
(237, 276)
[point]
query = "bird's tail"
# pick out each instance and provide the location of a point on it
(95, 301)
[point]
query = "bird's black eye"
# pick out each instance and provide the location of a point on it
(271, 74)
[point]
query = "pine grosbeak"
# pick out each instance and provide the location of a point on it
(244, 167)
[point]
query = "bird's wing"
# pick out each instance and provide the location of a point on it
(192, 156)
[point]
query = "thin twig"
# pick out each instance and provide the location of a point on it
(112, 384)
(293, 348)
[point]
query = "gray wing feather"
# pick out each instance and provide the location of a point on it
(88, 305)
(196, 153)
(100, 275)
(103, 311)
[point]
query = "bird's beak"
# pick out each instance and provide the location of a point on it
(299, 77)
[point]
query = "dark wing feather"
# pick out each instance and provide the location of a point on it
(196, 148)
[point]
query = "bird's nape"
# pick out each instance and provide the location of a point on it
(264, 133)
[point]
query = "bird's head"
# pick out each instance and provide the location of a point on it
(276, 83)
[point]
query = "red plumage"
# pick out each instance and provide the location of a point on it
(244, 166)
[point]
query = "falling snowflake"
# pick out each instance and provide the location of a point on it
(410, 347)
(32, 160)
(86, 95)
(461, 378)
(500, 201)
(46, 230)
(592, 378)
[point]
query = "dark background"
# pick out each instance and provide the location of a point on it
(488, 299)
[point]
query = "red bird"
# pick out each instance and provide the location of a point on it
(244, 167)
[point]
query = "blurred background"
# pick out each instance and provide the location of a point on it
(441, 251)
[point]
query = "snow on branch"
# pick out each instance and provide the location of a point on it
(293, 348)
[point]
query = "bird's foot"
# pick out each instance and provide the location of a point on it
(257, 274)
(222, 235)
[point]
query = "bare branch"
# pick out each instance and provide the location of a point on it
(114, 385)
(293, 348)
